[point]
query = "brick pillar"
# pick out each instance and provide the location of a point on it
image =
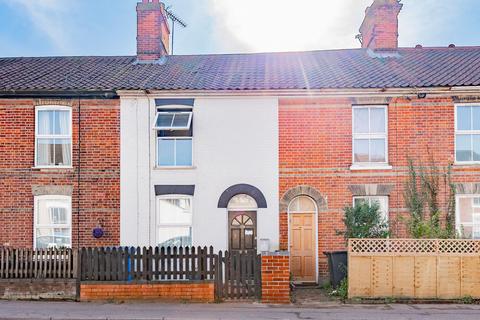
(276, 278)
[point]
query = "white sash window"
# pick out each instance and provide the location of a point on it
(174, 137)
(53, 222)
(467, 134)
(53, 136)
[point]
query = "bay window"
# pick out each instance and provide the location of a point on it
(174, 137)
(468, 216)
(370, 135)
(53, 136)
(174, 221)
(53, 222)
(467, 134)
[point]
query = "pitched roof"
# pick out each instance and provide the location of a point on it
(349, 68)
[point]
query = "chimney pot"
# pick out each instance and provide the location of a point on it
(379, 28)
(451, 45)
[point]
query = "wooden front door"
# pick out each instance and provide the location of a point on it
(242, 231)
(302, 247)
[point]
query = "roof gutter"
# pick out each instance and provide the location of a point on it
(302, 93)
(58, 94)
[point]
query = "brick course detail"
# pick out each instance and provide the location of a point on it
(275, 279)
(93, 182)
(202, 291)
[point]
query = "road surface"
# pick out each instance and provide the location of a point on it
(93, 311)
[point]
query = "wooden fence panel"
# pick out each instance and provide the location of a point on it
(147, 264)
(470, 278)
(448, 268)
(359, 277)
(425, 277)
(410, 268)
(40, 263)
(403, 276)
(382, 268)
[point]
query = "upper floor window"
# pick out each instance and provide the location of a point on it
(467, 132)
(174, 137)
(53, 135)
(370, 135)
(468, 216)
(53, 221)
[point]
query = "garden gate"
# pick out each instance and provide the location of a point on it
(238, 275)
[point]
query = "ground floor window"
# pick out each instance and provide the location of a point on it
(468, 216)
(53, 221)
(381, 201)
(174, 223)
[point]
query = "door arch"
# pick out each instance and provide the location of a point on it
(303, 239)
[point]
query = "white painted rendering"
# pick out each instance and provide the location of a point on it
(235, 140)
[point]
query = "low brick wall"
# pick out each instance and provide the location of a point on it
(38, 289)
(193, 291)
(276, 278)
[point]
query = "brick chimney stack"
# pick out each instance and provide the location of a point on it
(379, 30)
(153, 32)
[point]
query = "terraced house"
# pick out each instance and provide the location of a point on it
(239, 151)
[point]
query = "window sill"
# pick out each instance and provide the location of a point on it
(52, 168)
(369, 166)
(466, 164)
(175, 168)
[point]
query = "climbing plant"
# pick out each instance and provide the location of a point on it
(422, 195)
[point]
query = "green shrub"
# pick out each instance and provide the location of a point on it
(468, 300)
(364, 221)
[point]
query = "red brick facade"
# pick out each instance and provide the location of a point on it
(168, 291)
(95, 176)
(316, 150)
(275, 279)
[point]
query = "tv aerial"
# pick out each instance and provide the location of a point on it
(175, 19)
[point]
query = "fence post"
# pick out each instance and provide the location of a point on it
(77, 270)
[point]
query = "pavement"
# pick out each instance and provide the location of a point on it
(16, 310)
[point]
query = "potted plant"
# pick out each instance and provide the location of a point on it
(361, 221)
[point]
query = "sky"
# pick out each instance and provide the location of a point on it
(108, 27)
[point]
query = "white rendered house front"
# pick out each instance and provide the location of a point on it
(199, 171)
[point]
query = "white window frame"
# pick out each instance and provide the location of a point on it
(39, 136)
(464, 132)
(157, 162)
(458, 223)
(369, 165)
(158, 224)
(369, 200)
(53, 226)
(171, 127)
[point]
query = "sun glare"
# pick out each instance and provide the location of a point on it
(283, 25)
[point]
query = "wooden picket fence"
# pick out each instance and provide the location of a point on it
(236, 275)
(38, 264)
(147, 264)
